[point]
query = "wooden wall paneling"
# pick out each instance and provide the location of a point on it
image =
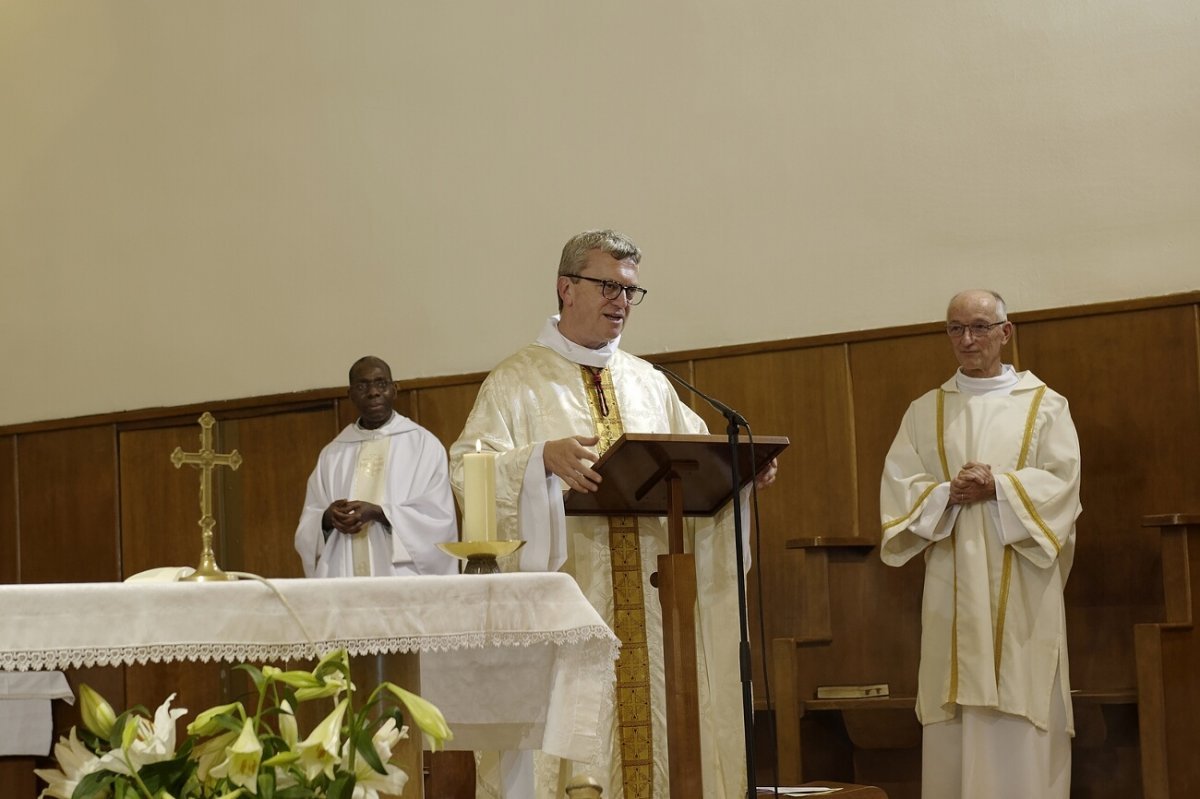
(405, 403)
(196, 686)
(873, 629)
(263, 499)
(443, 410)
(346, 414)
(160, 505)
(10, 549)
(67, 498)
(685, 369)
(801, 394)
(49, 458)
(17, 780)
(1131, 379)
(886, 375)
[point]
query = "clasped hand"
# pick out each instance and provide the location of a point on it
(974, 483)
(349, 516)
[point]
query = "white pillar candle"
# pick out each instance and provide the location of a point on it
(479, 495)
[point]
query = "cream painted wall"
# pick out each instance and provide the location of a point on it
(224, 199)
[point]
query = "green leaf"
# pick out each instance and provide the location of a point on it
(342, 787)
(94, 785)
(295, 792)
(170, 775)
(366, 750)
(256, 675)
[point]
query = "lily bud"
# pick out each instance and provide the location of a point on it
(426, 716)
(98, 715)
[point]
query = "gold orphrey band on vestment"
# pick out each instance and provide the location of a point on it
(629, 612)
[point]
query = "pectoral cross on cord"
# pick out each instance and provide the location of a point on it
(601, 401)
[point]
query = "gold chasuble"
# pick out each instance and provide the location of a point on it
(629, 606)
(539, 395)
(370, 472)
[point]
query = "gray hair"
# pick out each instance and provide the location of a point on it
(575, 251)
(1001, 305)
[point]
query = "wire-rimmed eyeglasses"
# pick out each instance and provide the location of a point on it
(611, 289)
(978, 329)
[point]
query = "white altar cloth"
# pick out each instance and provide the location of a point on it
(514, 661)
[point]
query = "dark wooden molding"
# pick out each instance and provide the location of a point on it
(831, 542)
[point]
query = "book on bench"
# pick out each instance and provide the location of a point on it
(874, 691)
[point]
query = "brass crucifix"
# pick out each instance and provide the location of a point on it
(205, 460)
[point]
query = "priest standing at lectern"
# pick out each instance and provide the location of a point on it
(548, 411)
(378, 502)
(983, 480)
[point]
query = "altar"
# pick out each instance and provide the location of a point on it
(514, 661)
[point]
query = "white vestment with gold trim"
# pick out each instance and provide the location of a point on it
(993, 622)
(408, 479)
(538, 395)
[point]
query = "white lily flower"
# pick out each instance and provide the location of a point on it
(319, 752)
(242, 759)
(75, 761)
(332, 684)
(288, 730)
(208, 754)
(290, 734)
(369, 783)
(146, 742)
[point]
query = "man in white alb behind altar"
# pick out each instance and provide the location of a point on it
(378, 502)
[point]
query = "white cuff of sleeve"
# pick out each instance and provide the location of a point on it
(937, 517)
(1008, 524)
(541, 516)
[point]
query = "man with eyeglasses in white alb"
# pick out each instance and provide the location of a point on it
(549, 410)
(983, 480)
(378, 502)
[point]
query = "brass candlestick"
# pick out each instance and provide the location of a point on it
(481, 555)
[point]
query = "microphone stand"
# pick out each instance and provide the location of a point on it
(735, 421)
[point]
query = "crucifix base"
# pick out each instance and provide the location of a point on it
(207, 572)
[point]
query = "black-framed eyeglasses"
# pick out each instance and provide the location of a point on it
(611, 289)
(978, 329)
(365, 386)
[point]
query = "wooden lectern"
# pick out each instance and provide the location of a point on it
(675, 476)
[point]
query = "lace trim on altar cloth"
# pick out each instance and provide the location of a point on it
(54, 659)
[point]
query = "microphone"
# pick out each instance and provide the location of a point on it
(730, 414)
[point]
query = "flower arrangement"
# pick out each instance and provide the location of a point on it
(229, 752)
